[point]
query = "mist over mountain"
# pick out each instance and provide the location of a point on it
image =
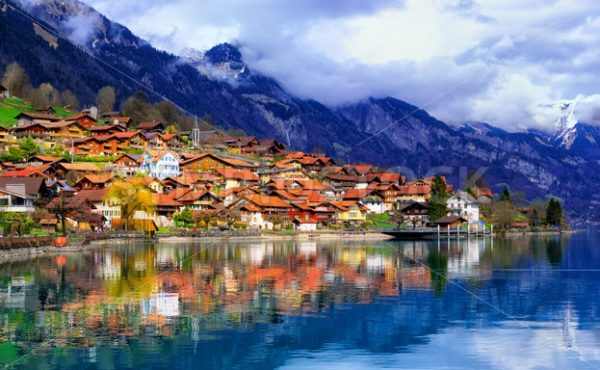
(217, 82)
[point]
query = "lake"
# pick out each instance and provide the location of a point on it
(520, 303)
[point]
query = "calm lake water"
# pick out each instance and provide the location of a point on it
(524, 303)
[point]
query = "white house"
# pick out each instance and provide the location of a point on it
(464, 205)
(14, 199)
(304, 225)
(160, 165)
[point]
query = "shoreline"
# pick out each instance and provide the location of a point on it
(21, 254)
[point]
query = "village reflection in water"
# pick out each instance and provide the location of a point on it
(107, 296)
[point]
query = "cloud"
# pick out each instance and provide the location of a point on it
(480, 60)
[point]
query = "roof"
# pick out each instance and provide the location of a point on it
(85, 167)
(449, 220)
(100, 178)
(33, 185)
(237, 174)
(166, 200)
(27, 171)
(267, 201)
(80, 116)
(40, 116)
(149, 125)
(47, 158)
(228, 161)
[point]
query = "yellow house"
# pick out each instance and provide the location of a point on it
(350, 211)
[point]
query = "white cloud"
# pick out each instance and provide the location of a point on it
(496, 60)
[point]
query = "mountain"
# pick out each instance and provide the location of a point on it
(217, 82)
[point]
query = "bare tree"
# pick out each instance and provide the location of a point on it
(42, 95)
(68, 99)
(16, 80)
(105, 99)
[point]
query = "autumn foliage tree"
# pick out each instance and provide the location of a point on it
(130, 195)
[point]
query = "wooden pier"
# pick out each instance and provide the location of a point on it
(437, 233)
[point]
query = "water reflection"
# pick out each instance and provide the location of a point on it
(256, 305)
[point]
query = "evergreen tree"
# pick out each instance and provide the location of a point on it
(554, 214)
(439, 196)
(505, 196)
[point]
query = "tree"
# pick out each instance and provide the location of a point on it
(16, 80)
(230, 216)
(184, 218)
(276, 219)
(68, 99)
(42, 95)
(105, 99)
(438, 207)
(131, 196)
(505, 196)
(503, 215)
(172, 129)
(204, 217)
(25, 149)
(554, 213)
(534, 218)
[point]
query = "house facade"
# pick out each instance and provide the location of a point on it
(160, 165)
(463, 204)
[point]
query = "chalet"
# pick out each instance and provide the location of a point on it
(242, 143)
(27, 118)
(130, 140)
(160, 164)
(415, 214)
(305, 214)
(464, 205)
(211, 138)
(151, 127)
(105, 130)
(267, 149)
(349, 211)
(233, 177)
(199, 200)
(94, 181)
(97, 145)
(128, 164)
(76, 170)
(4, 93)
(16, 200)
(45, 109)
(357, 169)
(44, 171)
(449, 222)
(56, 129)
(171, 141)
(38, 160)
(84, 119)
(121, 121)
(209, 163)
(302, 224)
(414, 191)
(34, 187)
(315, 164)
(166, 205)
(371, 199)
(483, 195)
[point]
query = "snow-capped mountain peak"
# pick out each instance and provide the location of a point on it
(566, 130)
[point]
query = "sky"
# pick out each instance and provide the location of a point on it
(502, 62)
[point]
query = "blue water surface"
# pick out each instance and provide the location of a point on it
(517, 303)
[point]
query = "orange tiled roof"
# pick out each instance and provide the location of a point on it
(267, 201)
(236, 174)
